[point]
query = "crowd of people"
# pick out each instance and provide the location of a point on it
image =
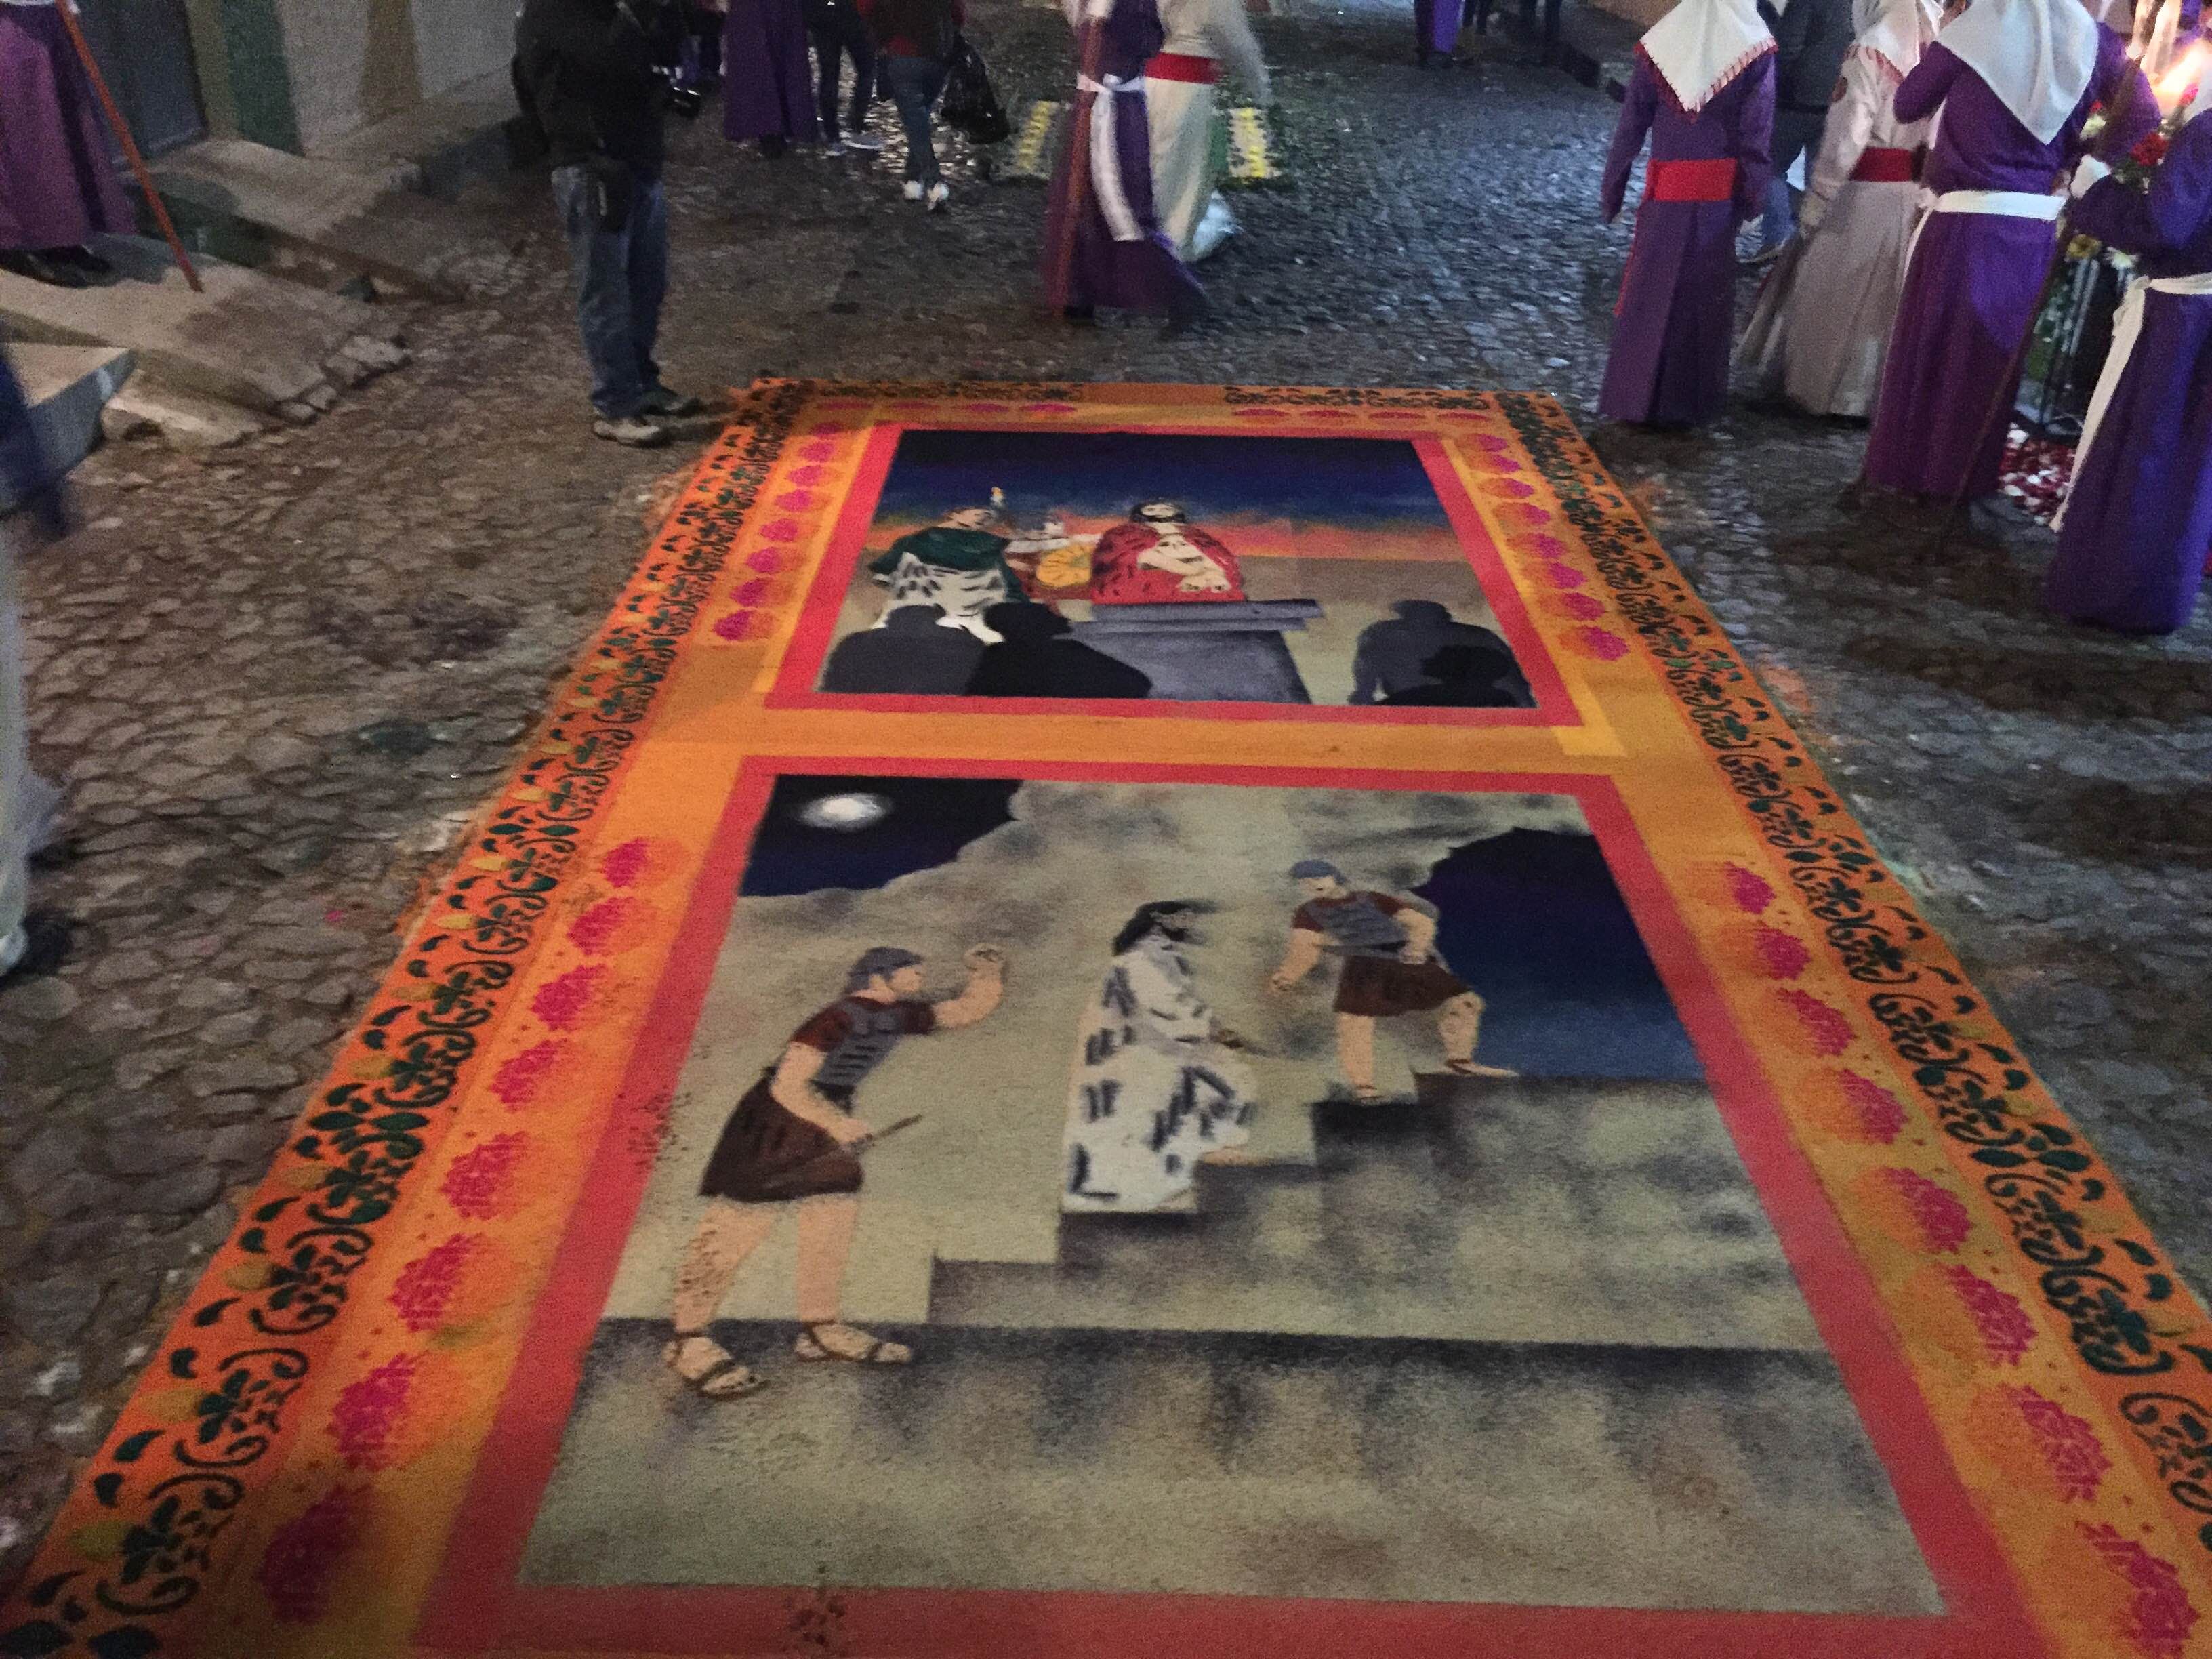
(1957, 157)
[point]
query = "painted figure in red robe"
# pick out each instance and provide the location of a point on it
(1160, 557)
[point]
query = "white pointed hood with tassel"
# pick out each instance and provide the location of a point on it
(1701, 46)
(2037, 56)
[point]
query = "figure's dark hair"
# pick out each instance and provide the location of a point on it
(1149, 917)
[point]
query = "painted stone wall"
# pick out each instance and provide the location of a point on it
(355, 61)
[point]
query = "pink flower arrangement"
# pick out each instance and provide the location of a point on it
(2160, 1616)
(1881, 1114)
(781, 530)
(517, 1082)
(2007, 1331)
(303, 1559)
(476, 1183)
(1830, 1033)
(737, 625)
(623, 865)
(1564, 575)
(561, 1002)
(1942, 1219)
(368, 1410)
(594, 931)
(1582, 607)
(427, 1284)
(2068, 1445)
(795, 501)
(1752, 892)
(1783, 955)
(1601, 643)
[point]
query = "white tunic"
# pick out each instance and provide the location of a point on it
(1180, 114)
(1822, 327)
(1152, 1091)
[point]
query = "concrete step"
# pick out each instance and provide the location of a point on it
(147, 408)
(327, 223)
(269, 346)
(67, 387)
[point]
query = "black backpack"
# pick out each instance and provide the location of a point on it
(971, 103)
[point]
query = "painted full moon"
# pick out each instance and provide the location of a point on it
(844, 812)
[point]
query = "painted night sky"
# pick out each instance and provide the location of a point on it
(1356, 482)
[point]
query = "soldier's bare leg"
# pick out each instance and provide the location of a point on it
(1459, 1023)
(727, 1234)
(1355, 1053)
(825, 1245)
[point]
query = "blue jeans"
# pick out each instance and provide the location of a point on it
(1796, 133)
(621, 279)
(916, 84)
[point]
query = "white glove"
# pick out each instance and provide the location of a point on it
(1812, 212)
(2088, 173)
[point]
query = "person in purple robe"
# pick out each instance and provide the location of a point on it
(2015, 81)
(2137, 522)
(1703, 91)
(1436, 25)
(59, 186)
(1103, 243)
(768, 92)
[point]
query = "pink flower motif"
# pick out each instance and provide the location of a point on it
(1048, 408)
(305, 1555)
(1936, 1211)
(1582, 607)
(366, 1411)
(1881, 1114)
(1332, 415)
(808, 475)
(2007, 1331)
(794, 500)
(476, 1183)
(516, 1082)
(1544, 547)
(1783, 955)
(1487, 440)
(752, 592)
(989, 409)
(562, 1003)
(427, 1284)
(1262, 415)
(1750, 892)
(623, 865)
(781, 530)
(737, 625)
(1564, 575)
(2068, 1445)
(595, 929)
(1508, 489)
(1522, 512)
(765, 559)
(2160, 1616)
(1395, 414)
(822, 449)
(1830, 1031)
(1601, 643)
(1490, 461)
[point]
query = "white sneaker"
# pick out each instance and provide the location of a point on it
(913, 192)
(635, 432)
(939, 194)
(863, 141)
(834, 147)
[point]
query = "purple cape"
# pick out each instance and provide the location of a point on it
(58, 184)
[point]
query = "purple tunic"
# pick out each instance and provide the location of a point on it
(57, 186)
(1676, 322)
(1143, 274)
(766, 90)
(1977, 278)
(1436, 26)
(2139, 522)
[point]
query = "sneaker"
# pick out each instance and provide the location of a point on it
(939, 194)
(913, 191)
(834, 147)
(634, 432)
(665, 406)
(864, 141)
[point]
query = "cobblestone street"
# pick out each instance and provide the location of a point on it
(276, 681)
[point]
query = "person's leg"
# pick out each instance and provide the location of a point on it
(648, 278)
(829, 46)
(860, 46)
(598, 261)
(909, 80)
(16, 828)
(1355, 1051)
(1459, 1023)
(727, 1234)
(825, 1245)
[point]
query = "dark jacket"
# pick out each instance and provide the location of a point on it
(914, 28)
(1814, 37)
(590, 72)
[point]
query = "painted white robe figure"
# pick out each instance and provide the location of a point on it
(1154, 1089)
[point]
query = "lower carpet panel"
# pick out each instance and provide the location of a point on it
(1400, 1114)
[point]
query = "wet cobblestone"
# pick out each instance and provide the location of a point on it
(278, 682)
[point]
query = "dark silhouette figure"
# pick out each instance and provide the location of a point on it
(1466, 676)
(1397, 658)
(911, 653)
(1040, 659)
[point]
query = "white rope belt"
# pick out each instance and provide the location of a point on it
(2127, 335)
(2005, 204)
(1106, 155)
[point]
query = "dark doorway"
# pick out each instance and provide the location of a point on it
(144, 49)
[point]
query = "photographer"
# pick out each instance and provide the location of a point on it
(596, 76)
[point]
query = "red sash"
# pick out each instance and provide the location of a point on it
(1887, 166)
(1690, 181)
(1183, 66)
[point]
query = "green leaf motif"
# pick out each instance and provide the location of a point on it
(130, 1450)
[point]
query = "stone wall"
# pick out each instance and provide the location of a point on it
(355, 62)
